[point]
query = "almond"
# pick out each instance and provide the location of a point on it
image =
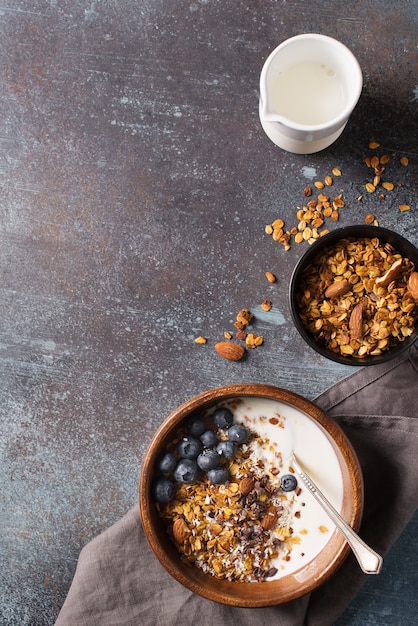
(230, 350)
(413, 285)
(270, 518)
(356, 321)
(180, 530)
(391, 274)
(246, 485)
(337, 289)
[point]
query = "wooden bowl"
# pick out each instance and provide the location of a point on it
(289, 586)
(404, 247)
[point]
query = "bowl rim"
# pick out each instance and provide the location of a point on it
(241, 594)
(360, 230)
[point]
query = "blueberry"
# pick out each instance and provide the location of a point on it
(186, 471)
(195, 426)
(238, 433)
(209, 439)
(189, 447)
(167, 463)
(227, 449)
(208, 459)
(288, 482)
(218, 475)
(163, 490)
(223, 417)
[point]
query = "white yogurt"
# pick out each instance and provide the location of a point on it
(298, 432)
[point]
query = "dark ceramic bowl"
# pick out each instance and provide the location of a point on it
(310, 574)
(401, 245)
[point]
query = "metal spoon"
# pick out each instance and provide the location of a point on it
(369, 561)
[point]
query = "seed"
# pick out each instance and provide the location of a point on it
(302, 225)
(227, 335)
(376, 181)
(336, 171)
(266, 305)
(307, 192)
(328, 181)
(388, 186)
(369, 219)
(335, 216)
(373, 145)
(299, 237)
(404, 161)
(384, 159)
(367, 161)
(370, 187)
(404, 207)
(318, 184)
(270, 277)
(278, 224)
(268, 229)
(374, 161)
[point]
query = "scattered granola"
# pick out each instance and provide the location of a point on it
(314, 213)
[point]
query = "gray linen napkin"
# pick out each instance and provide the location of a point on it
(119, 582)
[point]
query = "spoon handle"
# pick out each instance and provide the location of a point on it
(369, 561)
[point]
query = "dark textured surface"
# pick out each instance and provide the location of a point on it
(135, 184)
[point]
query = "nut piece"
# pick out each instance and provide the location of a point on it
(270, 277)
(391, 274)
(246, 485)
(200, 340)
(266, 305)
(356, 321)
(413, 285)
(338, 288)
(230, 350)
(270, 518)
(180, 530)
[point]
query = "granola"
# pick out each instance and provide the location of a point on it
(378, 277)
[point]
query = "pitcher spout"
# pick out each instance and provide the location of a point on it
(267, 114)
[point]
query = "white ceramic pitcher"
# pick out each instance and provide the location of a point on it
(309, 85)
